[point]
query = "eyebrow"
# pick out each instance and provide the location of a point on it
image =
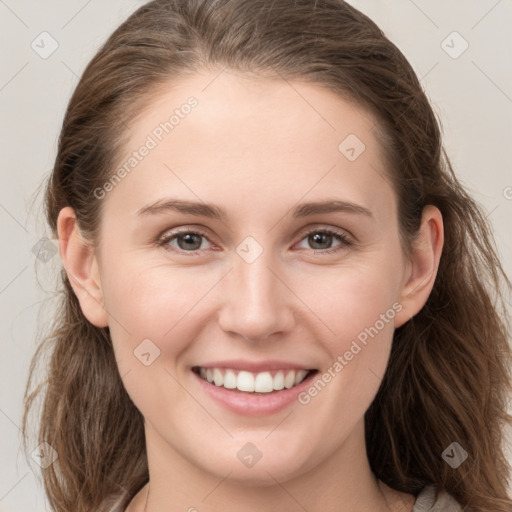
(201, 209)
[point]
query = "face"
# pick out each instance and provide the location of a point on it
(219, 259)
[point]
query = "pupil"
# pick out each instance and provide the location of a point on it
(189, 239)
(317, 239)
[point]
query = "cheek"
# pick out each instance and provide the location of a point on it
(149, 304)
(152, 325)
(357, 308)
(349, 300)
(361, 317)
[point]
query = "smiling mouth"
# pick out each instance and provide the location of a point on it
(249, 382)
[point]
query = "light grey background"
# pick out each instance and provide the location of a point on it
(472, 95)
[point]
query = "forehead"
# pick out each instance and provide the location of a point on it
(236, 139)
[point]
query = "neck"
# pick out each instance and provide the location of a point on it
(343, 481)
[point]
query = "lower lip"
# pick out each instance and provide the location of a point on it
(252, 404)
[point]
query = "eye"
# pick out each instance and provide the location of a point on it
(321, 240)
(187, 241)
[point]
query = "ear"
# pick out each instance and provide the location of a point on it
(423, 265)
(81, 265)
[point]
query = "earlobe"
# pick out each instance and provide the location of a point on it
(81, 267)
(426, 255)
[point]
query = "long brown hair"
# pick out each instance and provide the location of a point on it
(448, 376)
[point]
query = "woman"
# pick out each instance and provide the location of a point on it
(277, 296)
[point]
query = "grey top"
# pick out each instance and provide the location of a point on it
(426, 501)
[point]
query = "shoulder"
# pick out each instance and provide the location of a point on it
(431, 500)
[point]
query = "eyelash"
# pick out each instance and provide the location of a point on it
(341, 237)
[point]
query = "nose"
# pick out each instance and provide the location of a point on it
(256, 303)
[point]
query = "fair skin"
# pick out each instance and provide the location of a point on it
(258, 149)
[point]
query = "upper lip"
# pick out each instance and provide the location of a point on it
(255, 366)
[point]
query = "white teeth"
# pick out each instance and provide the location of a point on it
(217, 377)
(299, 376)
(279, 381)
(262, 382)
(245, 381)
(230, 380)
(289, 380)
